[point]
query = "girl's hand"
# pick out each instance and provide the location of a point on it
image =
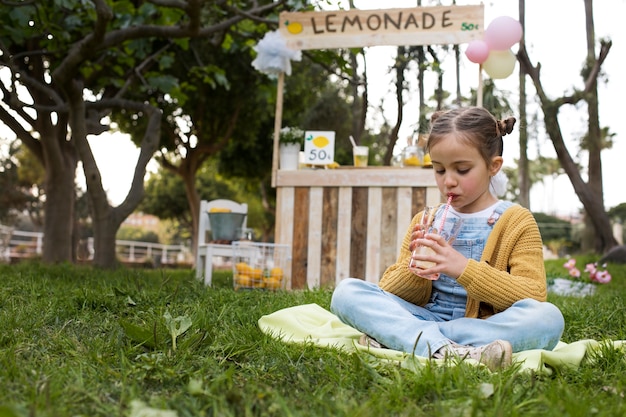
(447, 259)
(418, 233)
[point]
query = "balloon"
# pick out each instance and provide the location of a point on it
(502, 33)
(477, 51)
(499, 64)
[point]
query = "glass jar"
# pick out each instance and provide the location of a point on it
(411, 156)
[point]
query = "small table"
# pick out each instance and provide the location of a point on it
(206, 260)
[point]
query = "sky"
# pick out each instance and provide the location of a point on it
(555, 37)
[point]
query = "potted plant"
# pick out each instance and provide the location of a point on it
(290, 141)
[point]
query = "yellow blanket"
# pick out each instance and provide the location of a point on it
(310, 323)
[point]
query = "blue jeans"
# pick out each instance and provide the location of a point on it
(404, 326)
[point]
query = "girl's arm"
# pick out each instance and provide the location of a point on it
(399, 280)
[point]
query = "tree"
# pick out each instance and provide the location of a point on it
(590, 193)
(72, 65)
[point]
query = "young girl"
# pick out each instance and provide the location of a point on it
(490, 297)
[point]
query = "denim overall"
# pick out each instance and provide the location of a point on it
(448, 297)
(398, 324)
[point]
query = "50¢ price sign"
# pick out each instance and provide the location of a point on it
(319, 147)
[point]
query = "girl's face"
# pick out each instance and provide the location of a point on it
(462, 173)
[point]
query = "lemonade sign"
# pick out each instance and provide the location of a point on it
(357, 28)
(319, 147)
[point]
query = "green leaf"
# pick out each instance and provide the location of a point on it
(138, 334)
(164, 83)
(176, 326)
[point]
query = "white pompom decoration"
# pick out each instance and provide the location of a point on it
(273, 54)
(498, 184)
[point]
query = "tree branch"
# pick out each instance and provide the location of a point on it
(251, 16)
(175, 4)
(21, 133)
(605, 47)
(149, 144)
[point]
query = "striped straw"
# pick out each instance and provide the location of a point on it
(445, 213)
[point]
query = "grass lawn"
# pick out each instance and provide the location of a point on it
(75, 341)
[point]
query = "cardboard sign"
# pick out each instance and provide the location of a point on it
(319, 147)
(357, 28)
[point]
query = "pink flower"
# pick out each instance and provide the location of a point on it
(591, 268)
(571, 263)
(574, 272)
(603, 277)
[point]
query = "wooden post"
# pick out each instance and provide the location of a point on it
(479, 91)
(278, 117)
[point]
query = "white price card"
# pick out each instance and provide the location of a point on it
(319, 147)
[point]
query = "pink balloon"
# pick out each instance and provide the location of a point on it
(502, 33)
(477, 51)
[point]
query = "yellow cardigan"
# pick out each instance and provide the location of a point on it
(511, 268)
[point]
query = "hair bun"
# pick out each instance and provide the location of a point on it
(504, 127)
(436, 115)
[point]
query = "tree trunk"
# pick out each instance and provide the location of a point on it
(457, 74)
(523, 166)
(60, 160)
(59, 206)
(422, 122)
(193, 199)
(104, 232)
(358, 107)
(594, 137)
(399, 67)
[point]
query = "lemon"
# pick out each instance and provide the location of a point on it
(427, 160)
(412, 161)
(243, 281)
(219, 210)
(243, 268)
(276, 273)
(272, 283)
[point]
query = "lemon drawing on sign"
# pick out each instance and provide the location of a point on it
(319, 141)
(293, 27)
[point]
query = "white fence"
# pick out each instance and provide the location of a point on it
(16, 244)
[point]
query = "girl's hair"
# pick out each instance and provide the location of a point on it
(474, 125)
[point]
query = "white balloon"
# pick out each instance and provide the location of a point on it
(500, 64)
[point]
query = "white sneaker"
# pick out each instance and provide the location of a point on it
(496, 355)
(369, 341)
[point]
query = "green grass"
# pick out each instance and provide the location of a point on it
(75, 341)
